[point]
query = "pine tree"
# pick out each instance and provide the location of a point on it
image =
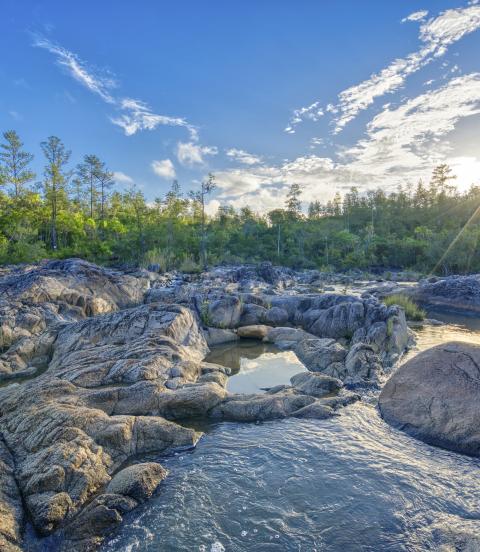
(88, 173)
(14, 163)
(207, 188)
(55, 180)
(292, 203)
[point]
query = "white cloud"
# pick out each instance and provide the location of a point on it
(416, 16)
(100, 84)
(189, 153)
(164, 169)
(402, 145)
(315, 142)
(135, 115)
(243, 156)
(436, 35)
(122, 178)
(138, 116)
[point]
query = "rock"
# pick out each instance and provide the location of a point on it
(341, 320)
(253, 408)
(291, 335)
(56, 292)
(276, 316)
(252, 314)
(87, 530)
(11, 511)
(341, 400)
(435, 397)
(318, 354)
(457, 292)
(316, 385)
(224, 313)
(137, 481)
(217, 336)
(258, 331)
(100, 403)
(267, 272)
(316, 410)
(362, 365)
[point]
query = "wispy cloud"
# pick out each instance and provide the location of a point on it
(122, 178)
(416, 16)
(78, 69)
(436, 34)
(134, 116)
(189, 153)
(243, 157)
(164, 169)
(402, 144)
(137, 115)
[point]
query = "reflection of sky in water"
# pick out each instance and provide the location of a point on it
(267, 370)
(456, 328)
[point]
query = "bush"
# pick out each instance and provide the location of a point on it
(154, 257)
(190, 265)
(412, 310)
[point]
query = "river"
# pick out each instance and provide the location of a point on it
(351, 483)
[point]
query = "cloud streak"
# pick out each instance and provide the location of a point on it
(134, 115)
(243, 157)
(436, 34)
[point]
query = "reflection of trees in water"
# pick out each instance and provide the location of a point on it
(231, 354)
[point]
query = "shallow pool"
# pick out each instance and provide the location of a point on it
(255, 365)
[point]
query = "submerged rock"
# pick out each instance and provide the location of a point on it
(435, 397)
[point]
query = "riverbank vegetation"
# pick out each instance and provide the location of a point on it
(412, 310)
(79, 211)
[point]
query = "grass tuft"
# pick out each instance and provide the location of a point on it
(412, 310)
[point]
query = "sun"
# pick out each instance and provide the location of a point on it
(467, 170)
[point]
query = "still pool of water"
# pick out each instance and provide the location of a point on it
(347, 484)
(255, 365)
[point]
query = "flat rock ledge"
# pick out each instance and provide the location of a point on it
(119, 371)
(435, 397)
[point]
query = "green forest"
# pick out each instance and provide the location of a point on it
(76, 211)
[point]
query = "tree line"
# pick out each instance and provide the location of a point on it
(76, 211)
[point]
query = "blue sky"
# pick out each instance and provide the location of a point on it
(262, 93)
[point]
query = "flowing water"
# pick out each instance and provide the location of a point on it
(349, 484)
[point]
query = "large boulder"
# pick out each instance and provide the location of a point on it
(435, 397)
(42, 297)
(137, 481)
(458, 292)
(257, 331)
(224, 313)
(318, 354)
(103, 401)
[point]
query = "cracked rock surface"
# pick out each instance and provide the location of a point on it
(434, 397)
(117, 360)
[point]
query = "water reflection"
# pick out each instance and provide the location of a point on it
(255, 365)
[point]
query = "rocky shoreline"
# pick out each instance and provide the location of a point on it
(114, 368)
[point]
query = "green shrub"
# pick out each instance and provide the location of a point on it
(412, 310)
(190, 265)
(155, 256)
